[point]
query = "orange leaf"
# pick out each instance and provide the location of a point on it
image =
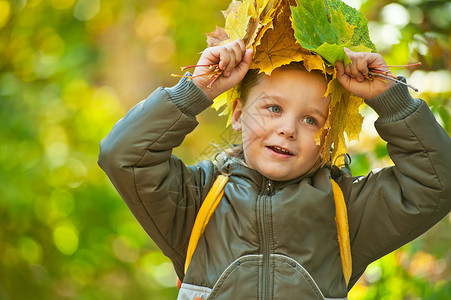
(344, 117)
(278, 45)
(246, 20)
(217, 37)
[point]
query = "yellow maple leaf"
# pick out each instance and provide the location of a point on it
(265, 11)
(225, 101)
(237, 18)
(217, 37)
(244, 20)
(259, 15)
(267, 27)
(313, 61)
(344, 117)
(278, 45)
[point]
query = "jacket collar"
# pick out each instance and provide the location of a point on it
(234, 166)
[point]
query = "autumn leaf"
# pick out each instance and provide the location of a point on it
(275, 45)
(278, 46)
(225, 102)
(259, 15)
(262, 20)
(344, 117)
(327, 27)
(238, 16)
(314, 32)
(245, 20)
(217, 37)
(361, 35)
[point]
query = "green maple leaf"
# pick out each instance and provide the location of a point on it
(327, 27)
(353, 17)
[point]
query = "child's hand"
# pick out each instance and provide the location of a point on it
(352, 76)
(233, 59)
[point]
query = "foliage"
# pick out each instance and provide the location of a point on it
(328, 27)
(344, 119)
(321, 32)
(69, 69)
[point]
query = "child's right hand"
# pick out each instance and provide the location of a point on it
(352, 76)
(233, 58)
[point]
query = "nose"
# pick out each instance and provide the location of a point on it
(287, 129)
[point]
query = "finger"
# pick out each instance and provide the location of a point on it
(245, 64)
(340, 68)
(377, 60)
(248, 55)
(238, 45)
(240, 49)
(210, 55)
(242, 46)
(362, 66)
(237, 50)
(347, 69)
(342, 77)
(224, 58)
(232, 63)
(357, 60)
(227, 48)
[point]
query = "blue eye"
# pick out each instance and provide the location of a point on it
(275, 109)
(309, 120)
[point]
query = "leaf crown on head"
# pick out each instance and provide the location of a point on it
(314, 32)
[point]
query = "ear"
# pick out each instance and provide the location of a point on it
(235, 119)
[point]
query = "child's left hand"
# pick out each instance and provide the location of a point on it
(352, 76)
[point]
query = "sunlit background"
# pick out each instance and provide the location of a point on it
(70, 69)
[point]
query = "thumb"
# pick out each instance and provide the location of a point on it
(342, 77)
(340, 68)
(247, 60)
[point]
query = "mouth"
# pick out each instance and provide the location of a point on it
(280, 150)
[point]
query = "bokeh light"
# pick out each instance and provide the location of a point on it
(69, 69)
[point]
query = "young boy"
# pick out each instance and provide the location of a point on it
(273, 235)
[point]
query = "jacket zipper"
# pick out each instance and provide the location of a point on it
(265, 198)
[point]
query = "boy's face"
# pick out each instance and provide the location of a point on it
(279, 122)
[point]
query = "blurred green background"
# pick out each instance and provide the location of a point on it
(69, 69)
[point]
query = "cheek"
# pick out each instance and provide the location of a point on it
(323, 135)
(249, 137)
(309, 145)
(252, 128)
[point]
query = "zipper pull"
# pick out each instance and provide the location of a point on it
(268, 188)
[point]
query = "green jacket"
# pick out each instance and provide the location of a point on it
(276, 240)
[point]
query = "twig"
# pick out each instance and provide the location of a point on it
(215, 73)
(396, 66)
(393, 79)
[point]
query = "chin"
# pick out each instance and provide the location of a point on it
(277, 176)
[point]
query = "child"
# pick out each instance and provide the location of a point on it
(273, 235)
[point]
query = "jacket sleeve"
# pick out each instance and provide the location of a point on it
(390, 207)
(163, 193)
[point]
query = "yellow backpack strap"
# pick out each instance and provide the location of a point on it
(203, 216)
(215, 195)
(341, 218)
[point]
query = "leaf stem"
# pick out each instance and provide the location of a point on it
(215, 73)
(193, 76)
(396, 66)
(386, 73)
(214, 79)
(393, 79)
(195, 66)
